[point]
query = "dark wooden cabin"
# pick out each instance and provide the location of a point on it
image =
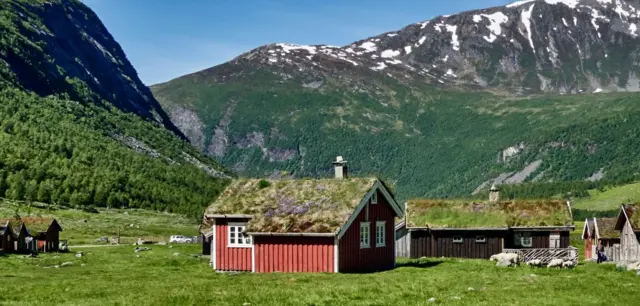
(44, 233)
(7, 238)
(467, 229)
(13, 235)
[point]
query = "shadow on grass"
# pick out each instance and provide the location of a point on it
(419, 264)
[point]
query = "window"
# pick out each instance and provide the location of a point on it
(374, 198)
(457, 239)
(380, 233)
(364, 235)
(523, 240)
(237, 237)
(481, 239)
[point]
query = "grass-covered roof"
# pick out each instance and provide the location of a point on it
(33, 224)
(293, 206)
(632, 213)
(606, 227)
(467, 214)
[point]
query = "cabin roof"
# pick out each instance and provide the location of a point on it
(588, 229)
(629, 212)
(33, 224)
(606, 228)
(462, 214)
(291, 206)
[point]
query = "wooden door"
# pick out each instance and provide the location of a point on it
(588, 249)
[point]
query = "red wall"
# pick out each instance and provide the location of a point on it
(354, 259)
(230, 259)
(294, 254)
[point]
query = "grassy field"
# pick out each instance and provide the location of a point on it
(117, 276)
(81, 227)
(611, 198)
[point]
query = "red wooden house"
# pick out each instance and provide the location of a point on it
(599, 232)
(308, 225)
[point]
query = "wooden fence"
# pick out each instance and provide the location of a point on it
(546, 255)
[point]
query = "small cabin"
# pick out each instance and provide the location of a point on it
(332, 225)
(42, 234)
(476, 229)
(600, 232)
(628, 225)
(13, 236)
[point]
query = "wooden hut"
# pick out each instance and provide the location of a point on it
(14, 236)
(44, 233)
(628, 225)
(308, 225)
(7, 237)
(468, 229)
(601, 232)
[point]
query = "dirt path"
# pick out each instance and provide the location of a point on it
(93, 245)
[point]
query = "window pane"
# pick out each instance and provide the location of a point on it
(232, 241)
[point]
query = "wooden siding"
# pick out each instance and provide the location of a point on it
(589, 252)
(540, 240)
(402, 242)
(230, 259)
(629, 245)
(440, 243)
(293, 254)
(352, 258)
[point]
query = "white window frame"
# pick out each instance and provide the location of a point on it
(381, 232)
(481, 239)
(365, 235)
(238, 232)
(554, 237)
(374, 198)
(458, 239)
(521, 237)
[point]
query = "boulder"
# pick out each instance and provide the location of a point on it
(634, 266)
(66, 264)
(139, 249)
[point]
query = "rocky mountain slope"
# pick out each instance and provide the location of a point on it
(77, 127)
(442, 107)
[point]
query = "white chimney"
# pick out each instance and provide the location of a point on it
(494, 194)
(340, 167)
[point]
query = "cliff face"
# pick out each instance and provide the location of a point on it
(61, 46)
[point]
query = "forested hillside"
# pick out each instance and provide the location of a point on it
(444, 107)
(77, 127)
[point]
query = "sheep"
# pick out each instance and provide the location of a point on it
(635, 266)
(508, 257)
(568, 264)
(534, 263)
(555, 263)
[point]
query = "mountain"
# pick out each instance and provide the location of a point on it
(78, 127)
(442, 107)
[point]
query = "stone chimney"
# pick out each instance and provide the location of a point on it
(494, 194)
(340, 167)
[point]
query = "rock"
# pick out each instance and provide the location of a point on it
(171, 247)
(82, 265)
(176, 254)
(66, 264)
(635, 266)
(470, 289)
(532, 275)
(126, 212)
(246, 304)
(138, 256)
(431, 300)
(103, 239)
(161, 243)
(139, 249)
(455, 297)
(79, 254)
(194, 255)
(56, 266)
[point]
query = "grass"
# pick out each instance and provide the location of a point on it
(115, 276)
(610, 198)
(81, 227)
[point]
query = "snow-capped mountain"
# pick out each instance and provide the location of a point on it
(529, 46)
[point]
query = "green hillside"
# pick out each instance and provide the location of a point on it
(78, 128)
(425, 141)
(609, 198)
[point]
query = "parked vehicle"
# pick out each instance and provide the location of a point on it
(180, 239)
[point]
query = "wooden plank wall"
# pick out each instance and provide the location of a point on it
(294, 254)
(352, 258)
(230, 259)
(440, 244)
(402, 242)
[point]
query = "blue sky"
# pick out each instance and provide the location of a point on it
(165, 39)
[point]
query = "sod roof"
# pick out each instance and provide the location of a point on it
(33, 224)
(292, 206)
(606, 227)
(633, 215)
(465, 214)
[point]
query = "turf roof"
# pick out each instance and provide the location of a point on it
(465, 214)
(606, 227)
(634, 216)
(293, 206)
(33, 224)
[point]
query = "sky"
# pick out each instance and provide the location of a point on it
(165, 39)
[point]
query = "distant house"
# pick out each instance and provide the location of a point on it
(628, 225)
(306, 225)
(468, 229)
(13, 235)
(41, 234)
(600, 232)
